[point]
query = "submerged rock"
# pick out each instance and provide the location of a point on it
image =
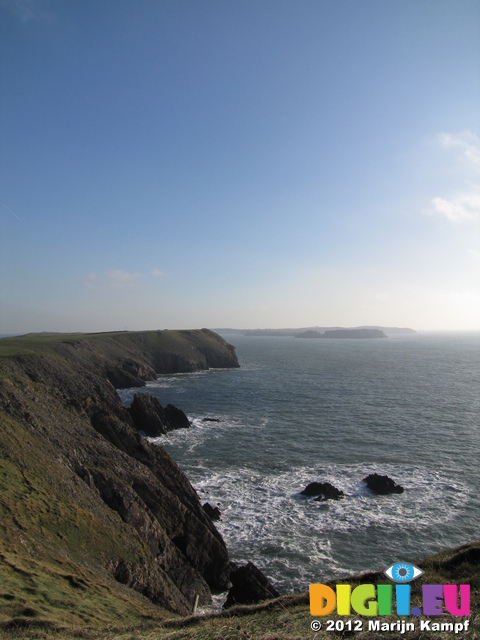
(249, 585)
(382, 485)
(323, 491)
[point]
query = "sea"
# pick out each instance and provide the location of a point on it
(333, 410)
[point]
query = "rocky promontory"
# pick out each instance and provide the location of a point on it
(90, 511)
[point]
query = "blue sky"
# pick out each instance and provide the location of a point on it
(239, 163)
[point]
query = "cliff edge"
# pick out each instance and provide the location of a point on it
(96, 524)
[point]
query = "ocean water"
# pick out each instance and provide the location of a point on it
(299, 411)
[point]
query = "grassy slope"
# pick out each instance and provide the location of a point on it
(45, 579)
(171, 339)
(288, 618)
(33, 343)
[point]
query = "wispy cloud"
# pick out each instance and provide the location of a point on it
(467, 142)
(91, 281)
(120, 279)
(12, 212)
(113, 279)
(464, 205)
(461, 208)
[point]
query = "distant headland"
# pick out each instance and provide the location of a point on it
(325, 332)
(344, 334)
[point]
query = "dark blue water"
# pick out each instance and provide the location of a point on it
(334, 410)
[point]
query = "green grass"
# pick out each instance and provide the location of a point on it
(286, 618)
(53, 543)
(37, 342)
(33, 343)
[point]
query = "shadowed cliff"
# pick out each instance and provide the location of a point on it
(96, 523)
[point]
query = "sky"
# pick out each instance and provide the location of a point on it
(239, 163)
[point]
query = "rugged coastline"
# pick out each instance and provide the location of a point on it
(88, 505)
(98, 528)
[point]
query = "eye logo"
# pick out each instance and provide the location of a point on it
(403, 572)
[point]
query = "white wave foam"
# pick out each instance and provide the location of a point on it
(265, 519)
(353, 407)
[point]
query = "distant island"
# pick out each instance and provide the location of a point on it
(321, 331)
(344, 334)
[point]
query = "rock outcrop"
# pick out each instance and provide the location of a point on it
(176, 418)
(212, 512)
(323, 491)
(152, 419)
(249, 585)
(382, 485)
(85, 493)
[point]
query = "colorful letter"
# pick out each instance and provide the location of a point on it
(433, 599)
(360, 596)
(384, 596)
(402, 593)
(322, 599)
(343, 599)
(450, 595)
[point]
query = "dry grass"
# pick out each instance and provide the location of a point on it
(288, 617)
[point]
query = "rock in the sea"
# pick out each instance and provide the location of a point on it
(212, 512)
(323, 491)
(176, 418)
(149, 416)
(249, 585)
(383, 485)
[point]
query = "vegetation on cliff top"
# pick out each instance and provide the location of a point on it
(176, 340)
(287, 617)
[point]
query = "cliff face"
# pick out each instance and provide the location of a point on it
(85, 502)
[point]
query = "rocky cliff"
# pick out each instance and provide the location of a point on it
(94, 519)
